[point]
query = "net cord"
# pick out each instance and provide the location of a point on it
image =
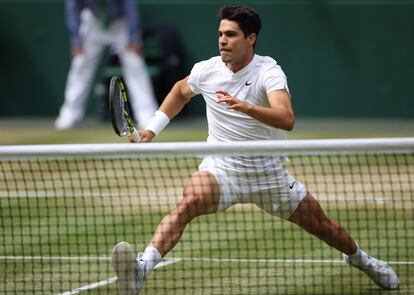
(284, 147)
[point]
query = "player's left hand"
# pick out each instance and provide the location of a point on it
(233, 103)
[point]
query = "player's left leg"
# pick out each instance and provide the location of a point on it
(310, 217)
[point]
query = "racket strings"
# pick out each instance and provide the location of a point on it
(119, 109)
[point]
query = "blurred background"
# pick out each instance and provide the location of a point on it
(349, 66)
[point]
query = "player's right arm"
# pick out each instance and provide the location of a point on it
(178, 97)
(173, 103)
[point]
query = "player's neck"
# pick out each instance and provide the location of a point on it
(237, 66)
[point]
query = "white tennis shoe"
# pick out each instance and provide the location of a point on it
(379, 271)
(130, 271)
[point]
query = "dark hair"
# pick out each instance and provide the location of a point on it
(247, 18)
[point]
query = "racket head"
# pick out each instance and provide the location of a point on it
(118, 105)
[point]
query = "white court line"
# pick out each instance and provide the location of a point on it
(90, 287)
(97, 258)
(110, 280)
(168, 261)
(291, 261)
(51, 258)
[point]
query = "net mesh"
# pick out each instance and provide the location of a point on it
(62, 215)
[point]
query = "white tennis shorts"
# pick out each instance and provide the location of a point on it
(274, 190)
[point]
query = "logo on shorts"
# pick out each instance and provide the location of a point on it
(291, 186)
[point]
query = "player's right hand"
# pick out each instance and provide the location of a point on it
(146, 136)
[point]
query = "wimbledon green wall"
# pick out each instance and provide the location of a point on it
(342, 58)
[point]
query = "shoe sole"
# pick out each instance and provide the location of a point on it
(123, 261)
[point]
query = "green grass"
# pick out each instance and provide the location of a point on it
(66, 240)
(40, 130)
(86, 227)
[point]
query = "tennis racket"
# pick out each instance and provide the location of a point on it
(120, 112)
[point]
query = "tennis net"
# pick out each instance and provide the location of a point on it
(64, 207)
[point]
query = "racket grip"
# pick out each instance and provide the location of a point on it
(135, 135)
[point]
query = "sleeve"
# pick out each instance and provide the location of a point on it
(132, 16)
(72, 12)
(194, 79)
(274, 78)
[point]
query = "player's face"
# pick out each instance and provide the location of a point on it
(236, 49)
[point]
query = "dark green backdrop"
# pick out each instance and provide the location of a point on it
(342, 58)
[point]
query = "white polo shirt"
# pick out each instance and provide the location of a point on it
(251, 84)
(245, 179)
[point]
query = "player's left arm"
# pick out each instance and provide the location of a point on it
(279, 114)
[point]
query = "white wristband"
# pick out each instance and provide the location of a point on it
(158, 122)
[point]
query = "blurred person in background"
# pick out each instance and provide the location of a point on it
(94, 25)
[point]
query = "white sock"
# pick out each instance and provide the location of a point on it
(151, 257)
(359, 258)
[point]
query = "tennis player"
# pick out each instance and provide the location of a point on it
(247, 98)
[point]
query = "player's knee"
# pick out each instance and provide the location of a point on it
(194, 204)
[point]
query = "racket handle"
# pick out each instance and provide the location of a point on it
(135, 135)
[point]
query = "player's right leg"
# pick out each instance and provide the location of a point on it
(130, 271)
(201, 196)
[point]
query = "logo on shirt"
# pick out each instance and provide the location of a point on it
(248, 84)
(291, 185)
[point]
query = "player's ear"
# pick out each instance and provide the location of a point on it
(251, 38)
